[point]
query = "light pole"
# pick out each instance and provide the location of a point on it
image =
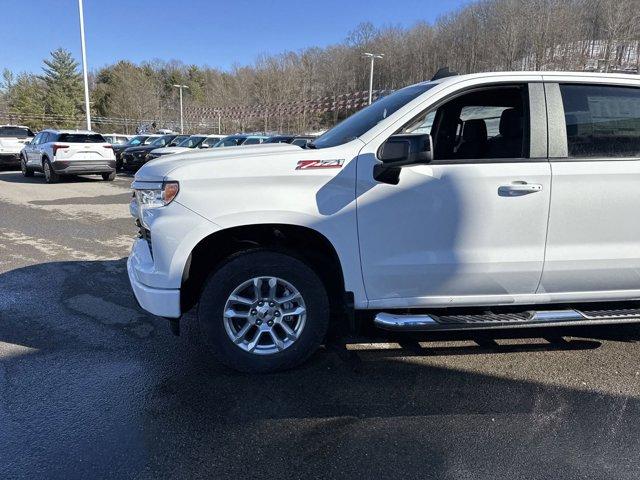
(84, 67)
(180, 87)
(373, 57)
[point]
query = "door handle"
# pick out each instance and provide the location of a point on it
(517, 189)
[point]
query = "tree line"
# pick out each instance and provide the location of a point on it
(599, 35)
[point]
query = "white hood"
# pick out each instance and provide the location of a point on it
(159, 168)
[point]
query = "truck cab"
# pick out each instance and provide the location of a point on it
(493, 200)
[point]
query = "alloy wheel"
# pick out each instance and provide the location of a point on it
(264, 315)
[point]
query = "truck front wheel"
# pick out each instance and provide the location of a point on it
(263, 311)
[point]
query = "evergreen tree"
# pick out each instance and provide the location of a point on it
(26, 100)
(63, 89)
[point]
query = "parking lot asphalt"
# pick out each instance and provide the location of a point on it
(92, 387)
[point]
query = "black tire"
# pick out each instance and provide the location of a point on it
(263, 263)
(109, 177)
(26, 171)
(49, 175)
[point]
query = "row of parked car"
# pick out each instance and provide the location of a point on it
(130, 156)
(71, 152)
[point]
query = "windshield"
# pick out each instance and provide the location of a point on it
(162, 141)
(230, 141)
(211, 141)
(191, 142)
(137, 140)
(361, 122)
(149, 140)
(18, 132)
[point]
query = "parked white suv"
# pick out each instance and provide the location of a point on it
(68, 152)
(479, 201)
(12, 140)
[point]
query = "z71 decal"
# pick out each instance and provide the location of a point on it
(313, 164)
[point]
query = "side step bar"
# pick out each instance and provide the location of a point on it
(540, 318)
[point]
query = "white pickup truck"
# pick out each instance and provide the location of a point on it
(476, 201)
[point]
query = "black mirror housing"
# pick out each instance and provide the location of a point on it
(406, 149)
(401, 151)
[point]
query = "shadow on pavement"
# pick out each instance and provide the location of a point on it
(92, 387)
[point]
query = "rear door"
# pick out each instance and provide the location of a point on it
(593, 245)
(34, 155)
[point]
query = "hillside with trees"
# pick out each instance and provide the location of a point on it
(313, 88)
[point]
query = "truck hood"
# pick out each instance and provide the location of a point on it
(160, 168)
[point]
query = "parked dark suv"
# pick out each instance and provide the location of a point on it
(134, 157)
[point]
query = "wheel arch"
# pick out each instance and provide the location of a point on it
(306, 243)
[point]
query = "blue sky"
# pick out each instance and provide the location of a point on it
(215, 33)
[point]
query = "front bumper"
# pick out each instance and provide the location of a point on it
(132, 163)
(10, 159)
(163, 302)
(83, 167)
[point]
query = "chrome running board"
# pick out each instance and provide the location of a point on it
(547, 318)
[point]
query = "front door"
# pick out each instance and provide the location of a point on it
(470, 226)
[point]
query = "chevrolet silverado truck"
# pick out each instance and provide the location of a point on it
(493, 200)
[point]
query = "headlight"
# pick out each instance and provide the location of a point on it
(154, 194)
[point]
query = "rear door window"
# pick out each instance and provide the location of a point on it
(602, 121)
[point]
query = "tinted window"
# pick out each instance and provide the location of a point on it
(252, 141)
(80, 138)
(191, 142)
(136, 140)
(18, 132)
(230, 142)
(602, 121)
(162, 141)
(210, 141)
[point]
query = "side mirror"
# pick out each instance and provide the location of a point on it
(406, 149)
(205, 146)
(401, 151)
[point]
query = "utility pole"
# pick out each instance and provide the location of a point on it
(84, 67)
(373, 57)
(180, 87)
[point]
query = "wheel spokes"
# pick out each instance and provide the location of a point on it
(273, 285)
(242, 300)
(241, 333)
(288, 330)
(277, 342)
(288, 298)
(264, 315)
(299, 310)
(251, 346)
(231, 313)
